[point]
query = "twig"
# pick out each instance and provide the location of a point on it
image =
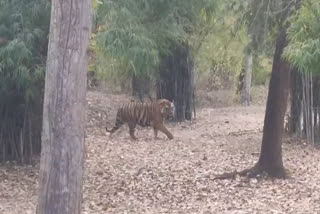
(239, 133)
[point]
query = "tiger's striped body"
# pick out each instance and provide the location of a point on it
(144, 114)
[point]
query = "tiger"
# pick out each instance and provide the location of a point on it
(144, 114)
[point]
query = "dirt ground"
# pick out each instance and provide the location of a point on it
(162, 176)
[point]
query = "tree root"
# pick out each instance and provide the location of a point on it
(255, 172)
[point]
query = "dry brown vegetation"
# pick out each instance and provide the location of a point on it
(162, 176)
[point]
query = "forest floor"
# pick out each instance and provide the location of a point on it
(162, 176)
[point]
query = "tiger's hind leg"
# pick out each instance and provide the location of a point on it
(132, 127)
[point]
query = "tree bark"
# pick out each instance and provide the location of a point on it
(61, 167)
(245, 93)
(270, 159)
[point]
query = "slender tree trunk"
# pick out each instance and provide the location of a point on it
(307, 106)
(245, 93)
(189, 90)
(30, 140)
(61, 167)
(316, 107)
(240, 82)
(296, 107)
(304, 106)
(270, 159)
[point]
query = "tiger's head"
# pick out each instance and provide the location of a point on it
(167, 108)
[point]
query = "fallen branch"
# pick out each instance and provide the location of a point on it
(232, 175)
(244, 132)
(238, 133)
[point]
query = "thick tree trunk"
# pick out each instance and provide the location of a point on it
(176, 81)
(245, 94)
(61, 167)
(270, 159)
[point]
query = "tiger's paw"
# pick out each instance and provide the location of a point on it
(109, 135)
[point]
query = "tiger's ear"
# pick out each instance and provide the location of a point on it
(162, 104)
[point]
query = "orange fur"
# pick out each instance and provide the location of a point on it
(144, 114)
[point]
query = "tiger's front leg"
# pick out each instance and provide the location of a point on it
(132, 127)
(155, 133)
(163, 129)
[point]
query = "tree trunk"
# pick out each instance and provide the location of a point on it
(61, 167)
(240, 81)
(307, 106)
(316, 107)
(245, 93)
(295, 125)
(270, 159)
(176, 81)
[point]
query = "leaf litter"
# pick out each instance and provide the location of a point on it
(162, 176)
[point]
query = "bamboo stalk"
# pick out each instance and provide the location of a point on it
(21, 146)
(14, 146)
(311, 109)
(30, 140)
(3, 142)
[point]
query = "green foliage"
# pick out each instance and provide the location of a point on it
(221, 54)
(133, 36)
(263, 19)
(24, 28)
(137, 34)
(304, 38)
(262, 66)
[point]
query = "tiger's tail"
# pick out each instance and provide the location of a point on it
(117, 124)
